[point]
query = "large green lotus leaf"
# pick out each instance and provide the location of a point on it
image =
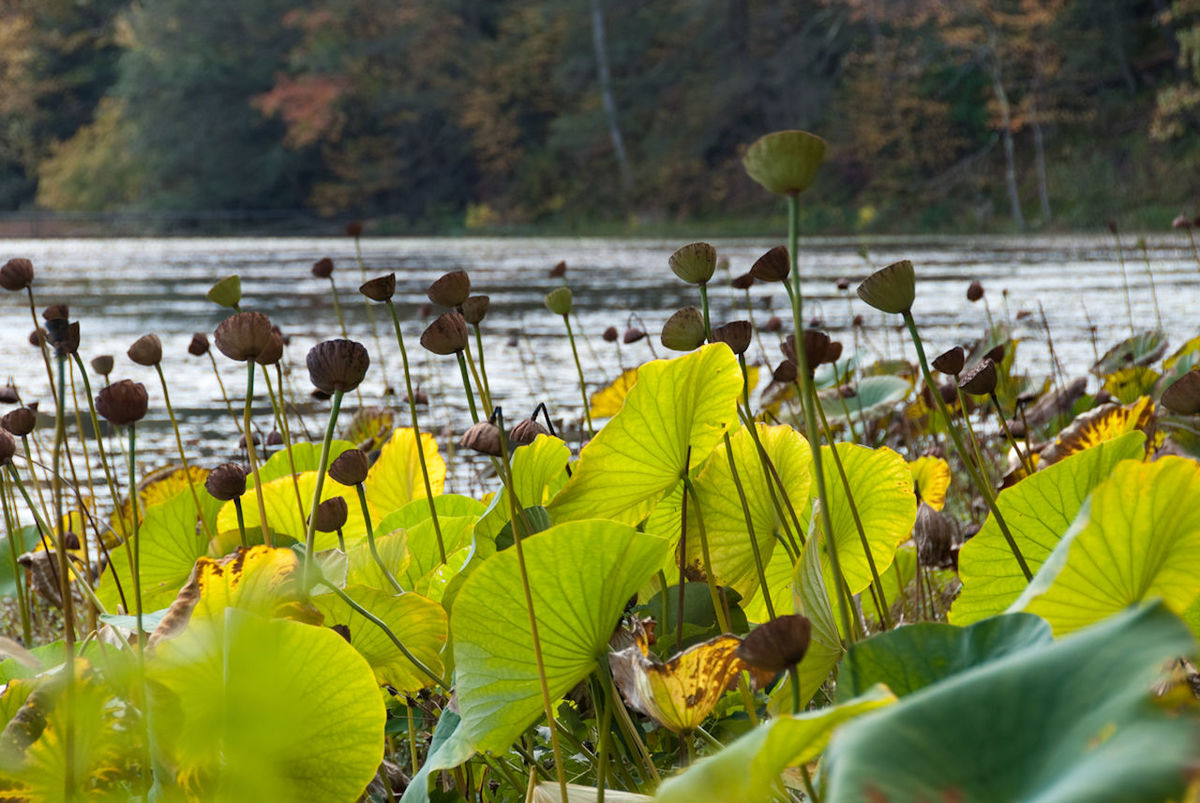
(1067, 722)
(729, 545)
(395, 478)
(424, 572)
(305, 457)
(581, 574)
(1138, 538)
(749, 769)
(1038, 510)
(265, 709)
(872, 395)
(882, 488)
(780, 571)
(419, 623)
(170, 545)
(363, 570)
(284, 499)
(417, 511)
(911, 658)
(677, 405)
(538, 472)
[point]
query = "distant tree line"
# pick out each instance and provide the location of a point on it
(440, 114)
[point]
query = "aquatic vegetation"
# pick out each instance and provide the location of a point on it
(855, 582)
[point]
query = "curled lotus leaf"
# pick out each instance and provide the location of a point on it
(931, 475)
(1096, 426)
(607, 402)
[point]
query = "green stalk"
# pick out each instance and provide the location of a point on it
(56, 492)
(976, 450)
(362, 268)
(412, 408)
(487, 389)
(604, 731)
(1025, 463)
(632, 734)
(137, 558)
(362, 501)
(1125, 282)
(810, 416)
(182, 456)
(18, 576)
(587, 408)
(322, 465)
(1153, 292)
(462, 367)
(758, 563)
(248, 436)
(228, 404)
(281, 426)
(984, 488)
(484, 396)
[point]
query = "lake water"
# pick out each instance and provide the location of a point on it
(121, 289)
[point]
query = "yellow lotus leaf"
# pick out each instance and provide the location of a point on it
(931, 475)
(286, 500)
(607, 401)
(158, 487)
(395, 478)
(1129, 384)
(1099, 425)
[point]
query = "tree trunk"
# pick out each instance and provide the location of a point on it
(610, 104)
(1010, 167)
(1039, 154)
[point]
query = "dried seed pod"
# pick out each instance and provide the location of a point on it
(632, 335)
(62, 335)
(274, 438)
(786, 372)
(816, 348)
(354, 228)
(226, 482)
(834, 352)
(843, 283)
(8, 446)
(891, 289)
(785, 162)
(559, 270)
(857, 322)
(974, 291)
(995, 354)
(8, 394)
(1183, 395)
(37, 337)
(103, 364)
(337, 365)
(272, 352)
(450, 289)
(331, 514)
(421, 396)
(446, 335)
(253, 437)
(526, 432)
(773, 324)
(743, 282)
(17, 274)
(146, 350)
(323, 268)
(611, 335)
(123, 402)
(777, 644)
(980, 380)
(227, 292)
(935, 536)
(71, 541)
(56, 311)
(350, 467)
(19, 422)
(475, 308)
(560, 301)
(773, 266)
(694, 263)
(736, 335)
(483, 437)
(684, 330)
(381, 288)
(243, 336)
(950, 361)
(199, 345)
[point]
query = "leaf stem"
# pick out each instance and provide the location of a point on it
(322, 464)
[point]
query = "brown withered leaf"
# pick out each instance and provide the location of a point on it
(1097, 426)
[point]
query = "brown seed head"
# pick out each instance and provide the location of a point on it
(694, 263)
(475, 308)
(331, 514)
(736, 335)
(103, 364)
(9, 395)
(834, 352)
(199, 345)
(995, 354)
(777, 645)
(980, 380)
(890, 289)
(243, 336)
(525, 432)
(8, 447)
(446, 335)
(684, 330)
(274, 438)
(272, 352)
(974, 291)
(1181, 221)
(611, 335)
(483, 437)
(950, 361)
(123, 402)
(1183, 395)
(146, 350)
(773, 324)
(350, 467)
(743, 282)
(381, 288)
(632, 335)
(37, 337)
(19, 422)
(56, 311)
(64, 336)
(337, 365)
(323, 268)
(354, 228)
(17, 274)
(786, 372)
(226, 482)
(559, 270)
(772, 266)
(450, 289)
(843, 283)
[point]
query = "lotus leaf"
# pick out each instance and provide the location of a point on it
(872, 395)
(395, 478)
(931, 475)
(1141, 349)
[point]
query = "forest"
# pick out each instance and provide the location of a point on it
(603, 115)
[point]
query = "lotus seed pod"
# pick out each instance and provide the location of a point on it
(199, 345)
(123, 402)
(274, 438)
(816, 348)
(974, 291)
(253, 438)
(786, 372)
(1183, 395)
(559, 270)
(559, 301)
(857, 322)
(736, 335)
(483, 437)
(337, 365)
(20, 422)
(778, 644)
(381, 288)
(8, 447)
(37, 337)
(103, 364)
(146, 350)
(980, 380)
(891, 289)
(834, 352)
(684, 330)
(611, 335)
(9, 395)
(226, 482)
(843, 283)
(63, 336)
(475, 308)
(17, 274)
(694, 263)
(331, 515)
(446, 335)
(772, 266)
(227, 292)
(1181, 221)
(785, 162)
(773, 324)
(56, 311)
(526, 432)
(243, 336)
(272, 352)
(450, 289)
(354, 228)
(632, 335)
(995, 354)
(743, 282)
(323, 268)
(935, 536)
(950, 361)
(350, 467)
